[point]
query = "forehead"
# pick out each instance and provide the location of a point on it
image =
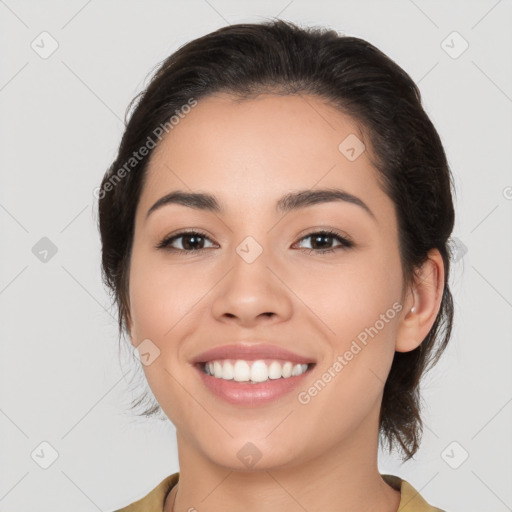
(254, 150)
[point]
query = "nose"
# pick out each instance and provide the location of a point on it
(251, 293)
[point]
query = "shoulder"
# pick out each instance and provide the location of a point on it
(411, 500)
(154, 500)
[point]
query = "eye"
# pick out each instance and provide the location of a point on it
(191, 241)
(194, 241)
(320, 237)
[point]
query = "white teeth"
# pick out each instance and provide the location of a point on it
(217, 369)
(259, 371)
(228, 371)
(274, 370)
(242, 371)
(297, 370)
(253, 371)
(287, 369)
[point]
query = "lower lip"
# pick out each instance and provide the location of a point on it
(245, 393)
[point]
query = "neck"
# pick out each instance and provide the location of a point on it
(343, 478)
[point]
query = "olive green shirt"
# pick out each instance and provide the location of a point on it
(410, 501)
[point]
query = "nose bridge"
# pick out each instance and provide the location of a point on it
(250, 268)
(250, 262)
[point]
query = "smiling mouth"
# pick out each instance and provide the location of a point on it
(253, 371)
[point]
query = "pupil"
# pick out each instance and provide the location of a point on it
(319, 237)
(188, 245)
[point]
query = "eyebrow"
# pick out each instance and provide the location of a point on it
(289, 202)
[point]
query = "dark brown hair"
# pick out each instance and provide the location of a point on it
(358, 79)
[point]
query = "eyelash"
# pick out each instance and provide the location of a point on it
(345, 243)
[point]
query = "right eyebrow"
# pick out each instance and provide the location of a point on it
(196, 200)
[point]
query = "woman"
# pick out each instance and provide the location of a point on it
(275, 231)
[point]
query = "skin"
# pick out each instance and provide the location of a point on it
(316, 456)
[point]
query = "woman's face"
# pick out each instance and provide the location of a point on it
(256, 275)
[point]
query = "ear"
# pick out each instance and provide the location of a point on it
(424, 296)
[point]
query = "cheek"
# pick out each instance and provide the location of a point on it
(350, 299)
(160, 296)
(361, 307)
(161, 301)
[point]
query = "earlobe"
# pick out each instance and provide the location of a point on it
(422, 304)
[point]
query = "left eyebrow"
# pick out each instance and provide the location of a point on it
(305, 198)
(288, 202)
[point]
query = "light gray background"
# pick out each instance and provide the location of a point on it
(60, 376)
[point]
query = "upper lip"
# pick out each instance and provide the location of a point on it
(250, 352)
